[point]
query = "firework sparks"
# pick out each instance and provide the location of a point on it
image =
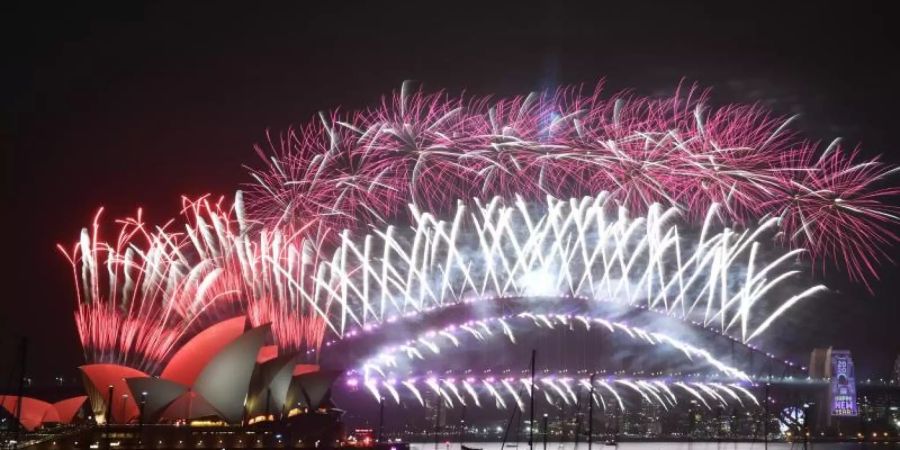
(141, 295)
(164, 282)
(137, 296)
(840, 206)
(432, 149)
(587, 247)
(558, 389)
(640, 177)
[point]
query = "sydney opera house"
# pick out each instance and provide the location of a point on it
(224, 375)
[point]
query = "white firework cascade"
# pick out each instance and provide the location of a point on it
(586, 247)
(557, 389)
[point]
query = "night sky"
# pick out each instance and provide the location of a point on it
(128, 106)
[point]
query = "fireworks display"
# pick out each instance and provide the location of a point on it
(141, 301)
(507, 391)
(142, 294)
(585, 247)
(429, 201)
(351, 170)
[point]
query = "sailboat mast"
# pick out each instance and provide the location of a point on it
(531, 407)
(591, 413)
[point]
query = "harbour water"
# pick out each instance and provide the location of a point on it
(661, 446)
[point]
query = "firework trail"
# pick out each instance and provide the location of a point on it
(840, 201)
(586, 247)
(272, 270)
(557, 390)
(664, 204)
(431, 149)
(140, 296)
(159, 285)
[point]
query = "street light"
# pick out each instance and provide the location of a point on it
(591, 413)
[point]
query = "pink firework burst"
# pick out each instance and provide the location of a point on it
(432, 150)
(839, 209)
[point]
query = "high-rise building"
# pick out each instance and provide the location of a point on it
(820, 363)
(840, 399)
(896, 374)
(843, 384)
(436, 411)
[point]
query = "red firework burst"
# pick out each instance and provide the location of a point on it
(143, 294)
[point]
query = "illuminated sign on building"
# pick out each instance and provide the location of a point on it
(843, 384)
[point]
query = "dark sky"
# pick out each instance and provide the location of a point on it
(128, 105)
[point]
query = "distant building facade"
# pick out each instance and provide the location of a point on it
(896, 374)
(820, 363)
